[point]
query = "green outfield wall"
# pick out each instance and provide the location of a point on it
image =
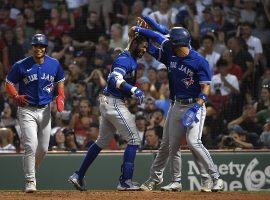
(240, 170)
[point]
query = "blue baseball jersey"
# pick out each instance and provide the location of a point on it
(185, 73)
(127, 66)
(37, 81)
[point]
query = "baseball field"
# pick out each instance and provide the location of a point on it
(115, 195)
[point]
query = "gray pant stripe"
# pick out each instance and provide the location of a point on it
(125, 122)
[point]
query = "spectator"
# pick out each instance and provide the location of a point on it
(76, 71)
(21, 22)
(41, 14)
(59, 139)
(141, 125)
(264, 99)
(152, 140)
(116, 37)
(233, 68)
(106, 7)
(8, 116)
(263, 116)
(30, 18)
(254, 44)
(22, 40)
(95, 84)
(93, 134)
(239, 138)
(70, 141)
(247, 120)
(223, 82)
(55, 27)
(162, 75)
(81, 121)
(15, 50)
(207, 50)
(208, 24)
(5, 21)
(248, 13)
(6, 141)
(164, 102)
(145, 85)
(149, 62)
(90, 31)
(165, 15)
(265, 136)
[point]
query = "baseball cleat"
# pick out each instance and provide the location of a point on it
(78, 184)
(30, 187)
(173, 186)
(218, 185)
(207, 186)
(149, 185)
(127, 185)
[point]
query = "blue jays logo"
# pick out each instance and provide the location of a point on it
(49, 88)
(188, 82)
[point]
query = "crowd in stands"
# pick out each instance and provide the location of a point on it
(86, 35)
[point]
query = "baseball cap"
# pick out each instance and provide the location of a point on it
(143, 80)
(161, 66)
(139, 115)
(236, 128)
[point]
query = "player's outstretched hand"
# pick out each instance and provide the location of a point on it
(60, 103)
(139, 95)
(190, 115)
(21, 100)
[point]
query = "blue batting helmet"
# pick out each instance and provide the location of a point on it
(40, 39)
(179, 36)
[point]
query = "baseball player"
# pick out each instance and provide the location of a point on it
(189, 78)
(116, 116)
(39, 79)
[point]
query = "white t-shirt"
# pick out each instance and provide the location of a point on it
(212, 60)
(254, 46)
(217, 83)
(163, 18)
(8, 149)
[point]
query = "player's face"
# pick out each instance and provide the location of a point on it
(181, 51)
(141, 49)
(39, 51)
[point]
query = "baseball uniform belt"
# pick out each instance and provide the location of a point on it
(186, 101)
(38, 106)
(110, 95)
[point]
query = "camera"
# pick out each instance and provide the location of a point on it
(229, 142)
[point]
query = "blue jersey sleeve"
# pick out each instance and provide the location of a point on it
(120, 65)
(60, 74)
(204, 72)
(154, 25)
(14, 74)
(155, 36)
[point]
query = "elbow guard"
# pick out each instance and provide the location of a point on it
(116, 79)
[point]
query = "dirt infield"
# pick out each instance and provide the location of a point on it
(113, 195)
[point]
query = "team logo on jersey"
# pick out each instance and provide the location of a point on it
(49, 88)
(188, 82)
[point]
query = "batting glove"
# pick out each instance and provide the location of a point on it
(190, 115)
(60, 103)
(137, 93)
(21, 100)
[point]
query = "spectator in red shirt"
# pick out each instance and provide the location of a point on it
(55, 27)
(233, 68)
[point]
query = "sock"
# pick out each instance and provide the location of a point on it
(91, 155)
(128, 163)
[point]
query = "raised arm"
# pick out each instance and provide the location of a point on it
(155, 36)
(154, 25)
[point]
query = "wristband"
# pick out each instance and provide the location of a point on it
(203, 96)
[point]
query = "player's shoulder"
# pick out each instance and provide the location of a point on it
(24, 60)
(51, 59)
(123, 58)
